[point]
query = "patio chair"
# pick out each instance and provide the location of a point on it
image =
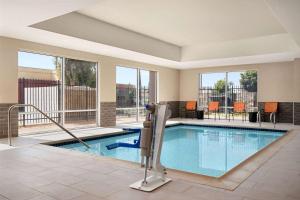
(271, 108)
(238, 108)
(191, 107)
(214, 107)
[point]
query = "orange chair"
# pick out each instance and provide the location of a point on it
(191, 106)
(238, 107)
(213, 106)
(271, 108)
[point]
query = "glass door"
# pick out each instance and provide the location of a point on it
(80, 93)
(228, 88)
(39, 84)
(212, 89)
(64, 88)
(134, 89)
(147, 91)
(242, 88)
(126, 94)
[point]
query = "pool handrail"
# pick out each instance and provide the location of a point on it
(37, 109)
(259, 118)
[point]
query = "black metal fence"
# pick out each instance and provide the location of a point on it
(47, 95)
(234, 94)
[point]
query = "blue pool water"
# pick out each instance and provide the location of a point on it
(210, 151)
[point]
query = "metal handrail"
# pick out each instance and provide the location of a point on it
(259, 118)
(274, 118)
(57, 124)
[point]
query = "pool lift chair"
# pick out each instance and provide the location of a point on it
(151, 143)
(135, 144)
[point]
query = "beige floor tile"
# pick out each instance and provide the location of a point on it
(3, 198)
(88, 197)
(260, 194)
(43, 197)
(98, 189)
(162, 194)
(33, 181)
(17, 191)
(128, 194)
(177, 186)
(59, 191)
(46, 173)
(59, 177)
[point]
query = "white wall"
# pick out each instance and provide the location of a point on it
(8, 72)
(276, 81)
(168, 78)
(297, 80)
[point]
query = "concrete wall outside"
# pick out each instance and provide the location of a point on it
(34, 73)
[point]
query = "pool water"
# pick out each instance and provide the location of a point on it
(210, 151)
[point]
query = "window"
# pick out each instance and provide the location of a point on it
(80, 92)
(134, 89)
(227, 88)
(64, 88)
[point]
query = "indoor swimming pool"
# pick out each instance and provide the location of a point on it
(205, 150)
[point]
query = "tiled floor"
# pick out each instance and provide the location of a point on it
(4, 147)
(40, 172)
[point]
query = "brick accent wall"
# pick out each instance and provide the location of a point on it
(182, 111)
(297, 113)
(3, 120)
(107, 114)
(284, 114)
(174, 106)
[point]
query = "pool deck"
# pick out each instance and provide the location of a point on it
(32, 171)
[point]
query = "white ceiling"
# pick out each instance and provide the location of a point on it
(173, 33)
(189, 22)
(27, 12)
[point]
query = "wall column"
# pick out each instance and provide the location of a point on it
(107, 79)
(297, 91)
(8, 84)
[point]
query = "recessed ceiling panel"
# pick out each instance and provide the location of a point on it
(190, 22)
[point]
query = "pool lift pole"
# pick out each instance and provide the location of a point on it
(151, 143)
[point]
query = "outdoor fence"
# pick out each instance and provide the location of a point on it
(47, 95)
(234, 94)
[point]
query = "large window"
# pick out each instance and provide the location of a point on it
(227, 88)
(134, 89)
(64, 88)
(80, 92)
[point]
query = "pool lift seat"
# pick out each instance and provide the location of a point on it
(135, 144)
(151, 144)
